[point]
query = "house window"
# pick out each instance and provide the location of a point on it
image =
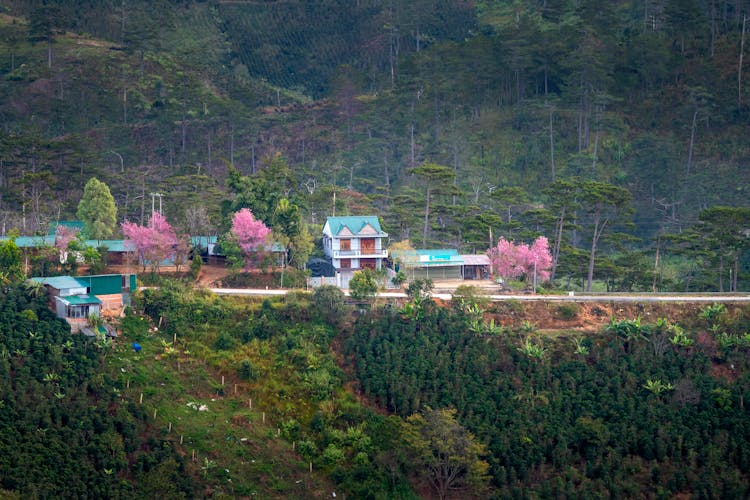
(345, 244)
(367, 263)
(78, 311)
(346, 263)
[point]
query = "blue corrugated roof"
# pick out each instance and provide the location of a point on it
(438, 252)
(354, 223)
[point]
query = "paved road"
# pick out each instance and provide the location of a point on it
(604, 297)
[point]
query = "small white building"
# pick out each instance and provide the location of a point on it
(353, 243)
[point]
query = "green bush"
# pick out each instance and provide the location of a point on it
(246, 370)
(363, 285)
(568, 311)
(195, 267)
(224, 342)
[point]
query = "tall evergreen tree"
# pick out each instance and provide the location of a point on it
(97, 210)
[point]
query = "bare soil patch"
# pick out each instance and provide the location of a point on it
(586, 316)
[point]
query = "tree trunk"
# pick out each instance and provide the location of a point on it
(713, 27)
(739, 70)
(386, 174)
(125, 105)
(558, 241)
(721, 273)
(210, 159)
(411, 139)
(598, 229)
(183, 129)
(551, 145)
(656, 263)
(426, 219)
(692, 143)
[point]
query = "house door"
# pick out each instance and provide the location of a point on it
(367, 245)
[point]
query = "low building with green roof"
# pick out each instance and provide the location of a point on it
(76, 298)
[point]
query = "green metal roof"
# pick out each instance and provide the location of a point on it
(49, 240)
(113, 245)
(354, 223)
(32, 241)
(81, 300)
(61, 282)
(99, 284)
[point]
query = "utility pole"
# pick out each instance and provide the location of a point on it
(153, 196)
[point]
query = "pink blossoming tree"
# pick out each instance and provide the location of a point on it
(251, 234)
(64, 235)
(513, 261)
(154, 243)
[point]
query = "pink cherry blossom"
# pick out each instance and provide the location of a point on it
(511, 260)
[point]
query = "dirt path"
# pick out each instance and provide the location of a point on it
(210, 275)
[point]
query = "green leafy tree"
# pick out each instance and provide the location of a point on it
(11, 261)
(604, 204)
(329, 302)
(97, 210)
(722, 232)
(436, 179)
(446, 454)
(43, 23)
(288, 223)
(363, 285)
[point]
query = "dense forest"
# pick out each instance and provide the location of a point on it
(618, 131)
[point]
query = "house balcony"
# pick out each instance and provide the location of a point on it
(365, 254)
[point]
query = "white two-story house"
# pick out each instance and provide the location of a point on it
(353, 243)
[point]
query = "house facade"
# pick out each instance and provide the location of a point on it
(353, 243)
(76, 298)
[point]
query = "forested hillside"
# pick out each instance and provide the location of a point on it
(512, 100)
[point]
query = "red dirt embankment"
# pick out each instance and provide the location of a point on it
(587, 316)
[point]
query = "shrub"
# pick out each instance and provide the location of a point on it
(195, 267)
(470, 295)
(224, 342)
(329, 304)
(568, 311)
(246, 370)
(333, 455)
(363, 285)
(419, 288)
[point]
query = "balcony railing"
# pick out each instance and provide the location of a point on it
(345, 254)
